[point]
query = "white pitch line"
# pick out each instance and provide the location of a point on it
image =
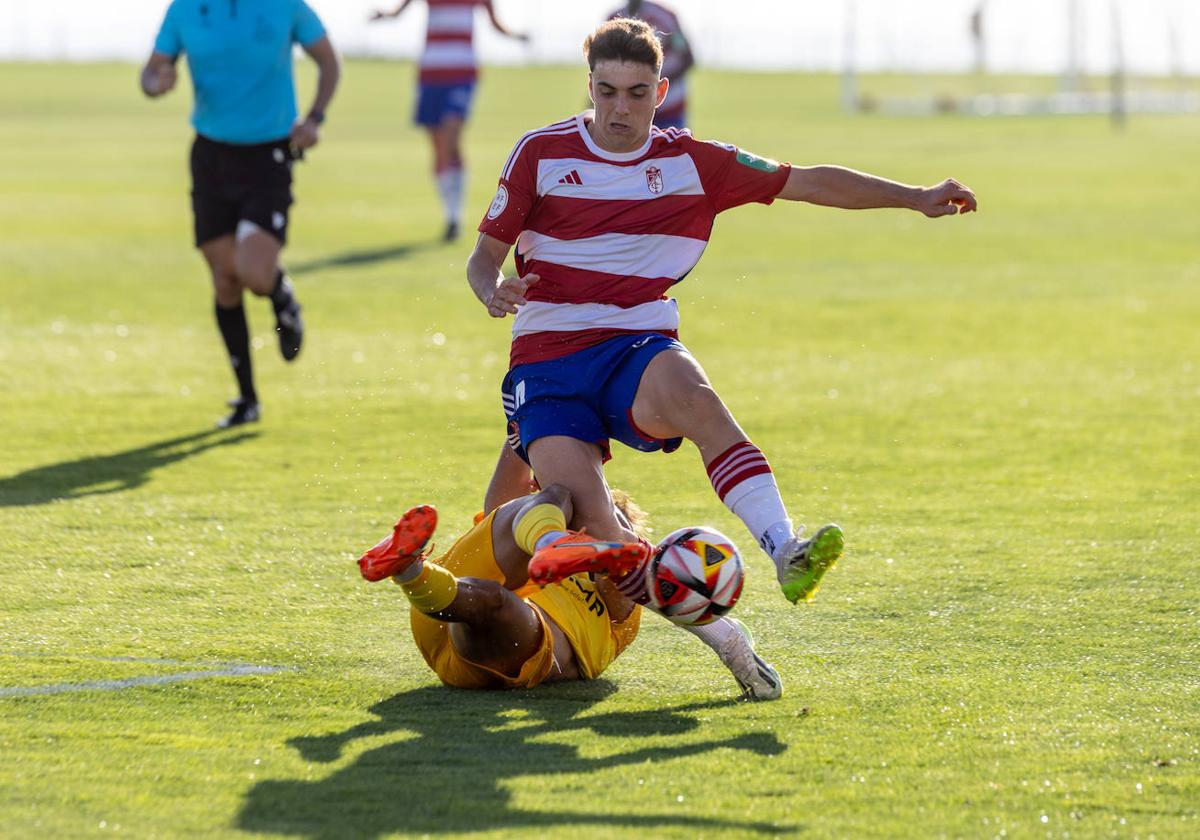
(219, 669)
(141, 660)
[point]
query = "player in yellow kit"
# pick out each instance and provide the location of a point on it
(481, 621)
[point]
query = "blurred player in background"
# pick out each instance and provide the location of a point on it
(480, 623)
(445, 85)
(247, 135)
(677, 57)
(608, 213)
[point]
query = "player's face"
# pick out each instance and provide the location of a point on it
(625, 95)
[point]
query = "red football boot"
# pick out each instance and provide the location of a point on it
(406, 544)
(576, 552)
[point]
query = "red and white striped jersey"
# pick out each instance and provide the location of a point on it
(449, 54)
(664, 22)
(610, 233)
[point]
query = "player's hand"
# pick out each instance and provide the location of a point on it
(510, 294)
(305, 134)
(378, 14)
(946, 199)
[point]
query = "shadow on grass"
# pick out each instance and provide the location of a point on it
(353, 259)
(453, 771)
(102, 474)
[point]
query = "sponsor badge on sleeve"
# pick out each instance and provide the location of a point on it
(755, 162)
(498, 203)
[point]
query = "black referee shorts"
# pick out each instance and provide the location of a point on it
(231, 183)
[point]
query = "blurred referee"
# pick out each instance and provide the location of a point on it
(247, 135)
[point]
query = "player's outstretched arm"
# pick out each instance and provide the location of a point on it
(382, 14)
(501, 295)
(836, 186)
(159, 74)
(501, 28)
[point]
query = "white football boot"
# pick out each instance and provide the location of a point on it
(758, 680)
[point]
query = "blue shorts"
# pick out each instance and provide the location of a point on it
(437, 102)
(587, 395)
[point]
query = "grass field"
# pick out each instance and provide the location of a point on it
(1001, 410)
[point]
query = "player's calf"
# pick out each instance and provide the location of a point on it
(491, 625)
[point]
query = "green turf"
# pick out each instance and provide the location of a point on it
(1001, 411)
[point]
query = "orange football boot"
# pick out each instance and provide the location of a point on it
(406, 544)
(576, 552)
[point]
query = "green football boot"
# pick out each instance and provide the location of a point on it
(807, 561)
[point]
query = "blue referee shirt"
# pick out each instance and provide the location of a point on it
(239, 53)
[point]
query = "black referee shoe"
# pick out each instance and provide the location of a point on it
(244, 411)
(290, 327)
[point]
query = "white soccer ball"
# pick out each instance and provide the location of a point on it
(696, 574)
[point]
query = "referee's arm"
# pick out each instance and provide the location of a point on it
(329, 73)
(159, 74)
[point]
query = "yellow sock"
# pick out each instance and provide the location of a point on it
(536, 522)
(432, 590)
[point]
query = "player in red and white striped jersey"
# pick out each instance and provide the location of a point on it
(677, 57)
(446, 83)
(607, 213)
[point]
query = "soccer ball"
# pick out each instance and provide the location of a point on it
(696, 574)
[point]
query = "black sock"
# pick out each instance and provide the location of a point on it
(232, 323)
(282, 294)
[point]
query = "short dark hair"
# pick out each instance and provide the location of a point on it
(624, 39)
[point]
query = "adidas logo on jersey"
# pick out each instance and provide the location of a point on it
(572, 178)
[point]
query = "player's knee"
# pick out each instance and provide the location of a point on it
(555, 494)
(699, 403)
(227, 290)
(489, 598)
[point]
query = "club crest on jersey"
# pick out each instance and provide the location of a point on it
(654, 180)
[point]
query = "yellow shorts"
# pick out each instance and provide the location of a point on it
(573, 605)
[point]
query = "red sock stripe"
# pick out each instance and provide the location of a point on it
(761, 468)
(736, 464)
(742, 446)
(633, 585)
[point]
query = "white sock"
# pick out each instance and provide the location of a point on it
(411, 572)
(451, 184)
(757, 503)
(714, 633)
(743, 480)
